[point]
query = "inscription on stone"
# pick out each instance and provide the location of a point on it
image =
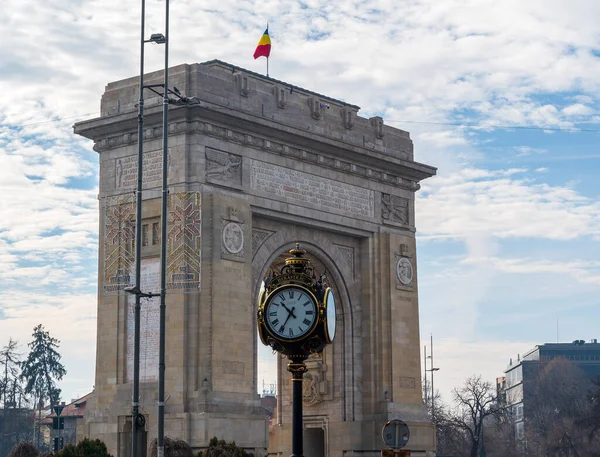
(230, 367)
(303, 187)
(407, 382)
(149, 320)
(126, 170)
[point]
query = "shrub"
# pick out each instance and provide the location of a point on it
(24, 449)
(70, 450)
(85, 448)
(174, 447)
(92, 448)
(220, 448)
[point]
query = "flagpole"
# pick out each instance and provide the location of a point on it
(267, 67)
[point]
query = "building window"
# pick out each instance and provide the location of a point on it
(145, 235)
(520, 429)
(155, 233)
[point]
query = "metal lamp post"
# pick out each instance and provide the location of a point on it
(432, 370)
(163, 252)
(157, 38)
(136, 421)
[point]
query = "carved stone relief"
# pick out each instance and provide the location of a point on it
(310, 388)
(232, 236)
(259, 236)
(231, 367)
(377, 123)
(404, 268)
(407, 382)
(281, 96)
(394, 209)
(347, 254)
(223, 168)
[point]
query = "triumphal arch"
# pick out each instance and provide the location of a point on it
(256, 166)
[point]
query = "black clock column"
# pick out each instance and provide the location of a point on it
(297, 367)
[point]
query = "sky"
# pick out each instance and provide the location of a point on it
(501, 97)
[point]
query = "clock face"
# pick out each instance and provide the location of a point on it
(331, 313)
(291, 312)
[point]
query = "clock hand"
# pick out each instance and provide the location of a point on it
(288, 318)
(289, 311)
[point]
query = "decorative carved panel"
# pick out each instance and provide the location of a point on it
(394, 209)
(183, 259)
(119, 243)
(223, 168)
(259, 236)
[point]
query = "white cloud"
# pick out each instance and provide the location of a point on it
(503, 206)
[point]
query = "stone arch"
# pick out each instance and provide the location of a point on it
(323, 251)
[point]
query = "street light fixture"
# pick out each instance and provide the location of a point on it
(135, 290)
(157, 38)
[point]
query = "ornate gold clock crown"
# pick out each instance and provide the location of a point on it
(297, 270)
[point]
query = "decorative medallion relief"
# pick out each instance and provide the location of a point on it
(259, 236)
(394, 209)
(223, 168)
(404, 269)
(232, 236)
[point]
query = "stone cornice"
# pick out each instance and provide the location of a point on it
(187, 120)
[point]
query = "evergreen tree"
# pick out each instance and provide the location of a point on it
(41, 368)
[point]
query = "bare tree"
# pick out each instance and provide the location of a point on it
(10, 387)
(557, 403)
(450, 439)
(500, 435)
(474, 402)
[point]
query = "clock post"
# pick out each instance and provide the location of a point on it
(296, 317)
(297, 368)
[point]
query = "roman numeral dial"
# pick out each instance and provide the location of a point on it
(290, 312)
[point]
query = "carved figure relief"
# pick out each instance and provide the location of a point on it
(310, 389)
(394, 208)
(223, 168)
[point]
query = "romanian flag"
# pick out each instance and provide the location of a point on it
(264, 46)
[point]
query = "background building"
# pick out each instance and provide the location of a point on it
(520, 377)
